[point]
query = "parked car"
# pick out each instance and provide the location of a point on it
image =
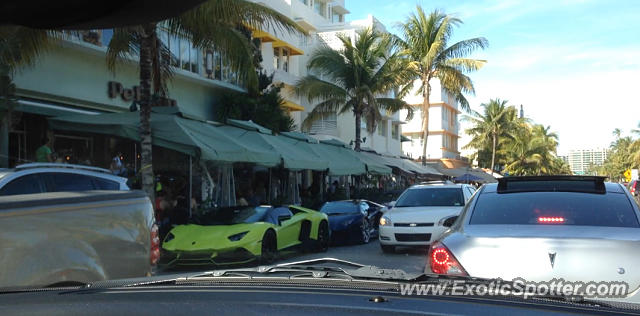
(243, 234)
(541, 228)
(418, 215)
(76, 237)
(352, 221)
(57, 177)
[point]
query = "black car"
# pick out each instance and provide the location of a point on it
(352, 221)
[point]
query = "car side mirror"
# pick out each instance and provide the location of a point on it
(448, 221)
(391, 204)
(283, 218)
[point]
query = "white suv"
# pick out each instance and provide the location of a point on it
(417, 217)
(56, 177)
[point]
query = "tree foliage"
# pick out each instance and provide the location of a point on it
(425, 44)
(354, 79)
(624, 154)
(522, 148)
(264, 108)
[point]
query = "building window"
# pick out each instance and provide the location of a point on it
(276, 58)
(382, 129)
(183, 54)
(285, 59)
(395, 131)
(320, 7)
(306, 2)
(336, 18)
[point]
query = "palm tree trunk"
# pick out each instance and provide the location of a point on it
(146, 169)
(493, 152)
(425, 119)
(358, 116)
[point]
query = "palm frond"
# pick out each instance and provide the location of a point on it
(124, 45)
(463, 48)
(21, 46)
(465, 64)
(316, 89)
(394, 105)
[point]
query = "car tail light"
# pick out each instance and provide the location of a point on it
(550, 220)
(633, 188)
(442, 261)
(154, 253)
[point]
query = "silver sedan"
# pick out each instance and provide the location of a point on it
(578, 229)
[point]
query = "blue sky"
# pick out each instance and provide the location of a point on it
(573, 64)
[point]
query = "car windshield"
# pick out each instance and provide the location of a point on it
(232, 215)
(581, 209)
(242, 133)
(344, 207)
(431, 197)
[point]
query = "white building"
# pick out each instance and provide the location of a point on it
(581, 160)
(286, 55)
(442, 143)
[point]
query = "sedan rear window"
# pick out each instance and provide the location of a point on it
(431, 197)
(564, 208)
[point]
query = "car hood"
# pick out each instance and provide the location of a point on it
(421, 214)
(537, 253)
(193, 237)
(344, 221)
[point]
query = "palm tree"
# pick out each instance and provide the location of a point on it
(425, 43)
(526, 152)
(19, 48)
(356, 77)
(214, 23)
(549, 144)
(497, 122)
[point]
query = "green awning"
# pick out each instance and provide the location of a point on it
(249, 125)
(425, 170)
(386, 160)
(293, 157)
(373, 165)
(171, 131)
(340, 160)
(47, 109)
(404, 139)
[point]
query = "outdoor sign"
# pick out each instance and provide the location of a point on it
(116, 89)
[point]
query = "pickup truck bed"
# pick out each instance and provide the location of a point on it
(61, 237)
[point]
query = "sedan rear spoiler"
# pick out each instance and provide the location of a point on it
(583, 184)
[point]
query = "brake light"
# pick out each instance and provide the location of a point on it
(633, 188)
(550, 220)
(154, 253)
(442, 261)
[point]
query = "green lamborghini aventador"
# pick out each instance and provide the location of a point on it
(243, 234)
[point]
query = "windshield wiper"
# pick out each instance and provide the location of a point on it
(321, 267)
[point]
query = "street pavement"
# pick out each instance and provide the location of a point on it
(408, 259)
